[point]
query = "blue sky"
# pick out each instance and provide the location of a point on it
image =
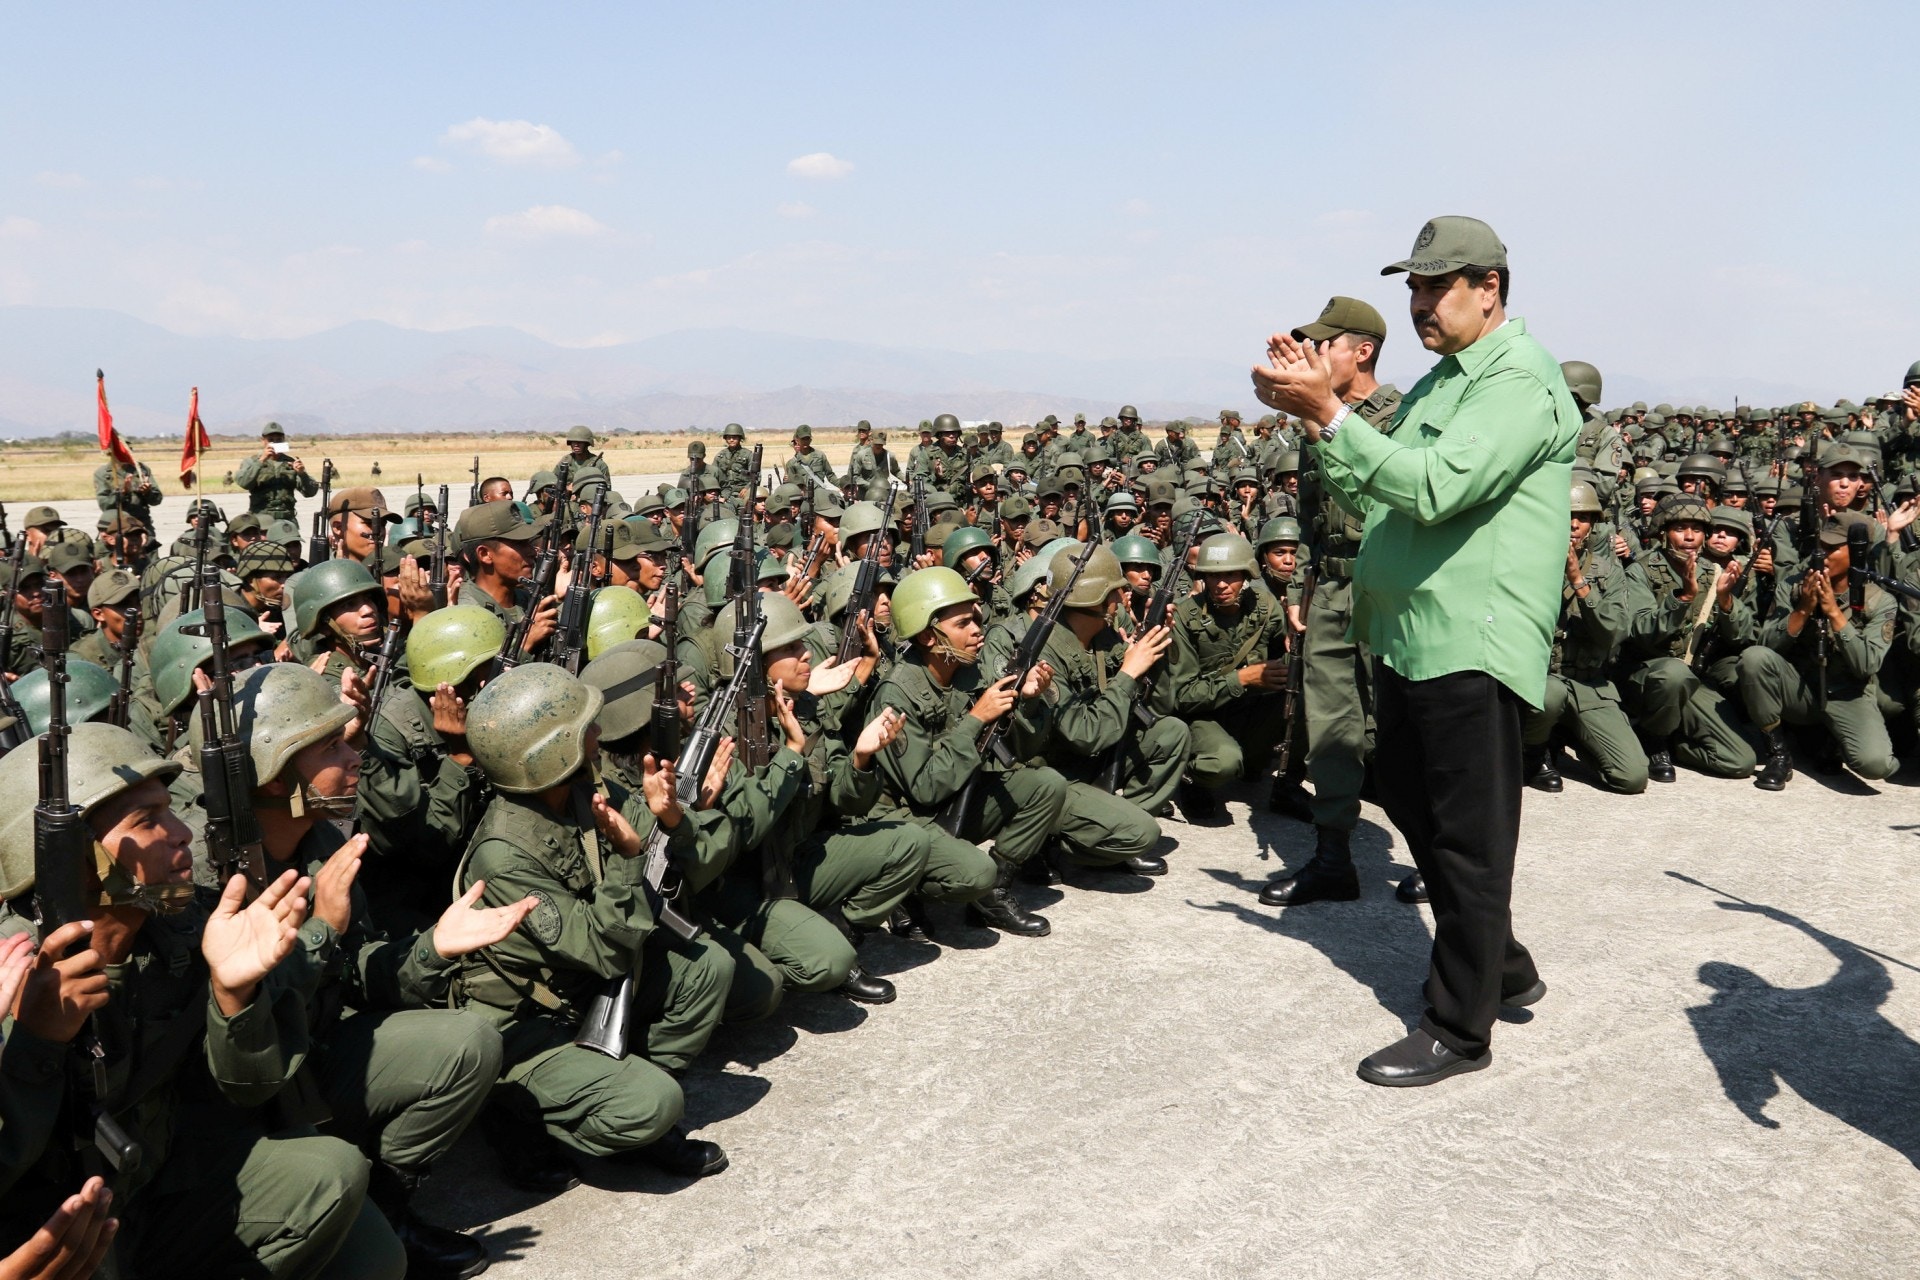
(1694, 192)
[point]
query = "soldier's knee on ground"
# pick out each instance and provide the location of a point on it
(306, 1205)
(600, 1105)
(1169, 740)
(1216, 759)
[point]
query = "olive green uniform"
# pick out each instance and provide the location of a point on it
(1664, 694)
(581, 470)
(1779, 679)
(1234, 728)
(810, 461)
(1338, 685)
(273, 487)
(138, 500)
(1579, 693)
(592, 924)
(735, 468)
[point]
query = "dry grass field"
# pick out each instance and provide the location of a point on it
(49, 471)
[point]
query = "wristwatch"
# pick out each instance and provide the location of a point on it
(1332, 428)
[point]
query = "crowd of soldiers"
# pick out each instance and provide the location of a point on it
(408, 822)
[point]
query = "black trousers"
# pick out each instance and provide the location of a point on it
(1447, 766)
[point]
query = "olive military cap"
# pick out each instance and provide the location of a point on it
(362, 502)
(1341, 315)
(113, 588)
(272, 431)
(1448, 244)
(492, 520)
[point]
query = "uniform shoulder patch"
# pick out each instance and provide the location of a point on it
(543, 922)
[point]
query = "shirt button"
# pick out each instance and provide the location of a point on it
(1489, 617)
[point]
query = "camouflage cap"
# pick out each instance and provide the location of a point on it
(1341, 315)
(264, 557)
(112, 588)
(1448, 244)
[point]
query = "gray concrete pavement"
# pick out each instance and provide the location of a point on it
(1165, 1087)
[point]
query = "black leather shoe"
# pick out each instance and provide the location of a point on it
(1417, 1059)
(1290, 800)
(1413, 889)
(679, 1155)
(530, 1159)
(910, 920)
(1196, 803)
(1778, 769)
(436, 1253)
(867, 989)
(1144, 865)
(1540, 771)
(1660, 765)
(999, 909)
(1532, 995)
(1045, 867)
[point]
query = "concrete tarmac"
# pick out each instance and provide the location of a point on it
(1165, 1086)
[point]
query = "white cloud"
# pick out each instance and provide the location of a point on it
(18, 228)
(431, 164)
(545, 220)
(821, 164)
(48, 178)
(795, 209)
(513, 141)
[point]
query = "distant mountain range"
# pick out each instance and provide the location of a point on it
(372, 376)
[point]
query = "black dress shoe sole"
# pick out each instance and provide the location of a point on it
(1457, 1068)
(1412, 898)
(1521, 999)
(1552, 786)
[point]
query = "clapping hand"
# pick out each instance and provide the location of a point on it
(463, 929)
(243, 944)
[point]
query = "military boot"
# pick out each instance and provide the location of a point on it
(1328, 877)
(432, 1252)
(1289, 799)
(911, 920)
(530, 1158)
(859, 984)
(674, 1152)
(999, 909)
(1778, 768)
(1659, 762)
(1540, 772)
(1197, 804)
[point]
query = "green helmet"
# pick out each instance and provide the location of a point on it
(924, 593)
(963, 541)
(1704, 466)
(1586, 500)
(785, 622)
(1100, 579)
(449, 645)
(1134, 549)
(103, 760)
(528, 728)
(1224, 553)
(279, 710)
(1582, 379)
(579, 435)
(618, 614)
(720, 533)
(311, 591)
(733, 432)
(861, 517)
(180, 648)
(945, 422)
(696, 449)
(1287, 463)
(1683, 507)
(90, 690)
(1279, 529)
(627, 676)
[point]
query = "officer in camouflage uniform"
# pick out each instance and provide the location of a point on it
(1338, 692)
(275, 483)
(1229, 665)
(734, 462)
(582, 463)
(947, 703)
(551, 834)
(1783, 682)
(211, 1029)
(1598, 603)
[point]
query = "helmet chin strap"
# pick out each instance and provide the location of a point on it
(119, 889)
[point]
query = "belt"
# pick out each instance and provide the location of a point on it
(1336, 567)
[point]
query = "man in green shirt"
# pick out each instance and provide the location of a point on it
(1457, 590)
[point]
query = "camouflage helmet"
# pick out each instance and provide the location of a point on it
(785, 623)
(449, 645)
(103, 760)
(90, 690)
(1134, 549)
(963, 541)
(861, 517)
(182, 647)
(627, 676)
(1100, 579)
(803, 432)
(279, 710)
(1278, 529)
(618, 614)
(311, 591)
(266, 557)
(1583, 380)
(946, 422)
(924, 593)
(1586, 500)
(528, 728)
(1225, 553)
(579, 435)
(1683, 507)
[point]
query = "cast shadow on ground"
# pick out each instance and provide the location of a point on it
(1381, 943)
(1830, 1043)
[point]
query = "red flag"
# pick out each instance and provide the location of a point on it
(110, 442)
(197, 440)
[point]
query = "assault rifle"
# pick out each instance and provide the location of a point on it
(917, 547)
(437, 574)
(666, 689)
(192, 588)
(17, 733)
(473, 494)
(122, 706)
(570, 638)
(319, 544)
(1296, 667)
(751, 735)
(234, 842)
(866, 585)
(6, 534)
(1159, 603)
(960, 811)
(62, 853)
(382, 675)
(537, 586)
(696, 755)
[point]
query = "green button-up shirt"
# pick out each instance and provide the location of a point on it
(1466, 504)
